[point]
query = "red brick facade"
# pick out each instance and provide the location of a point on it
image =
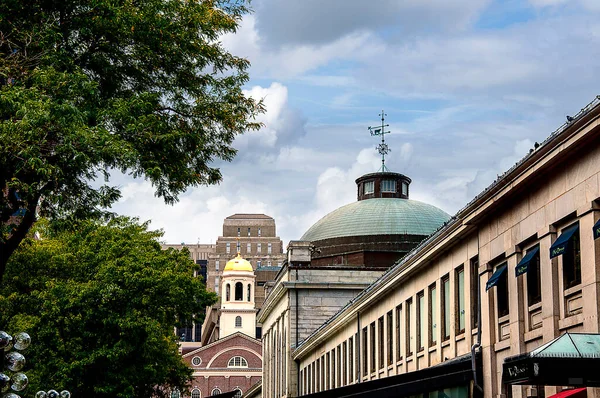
(212, 370)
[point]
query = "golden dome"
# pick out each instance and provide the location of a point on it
(238, 264)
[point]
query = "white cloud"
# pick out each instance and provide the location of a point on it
(281, 124)
(290, 61)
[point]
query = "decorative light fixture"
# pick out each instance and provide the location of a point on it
(14, 361)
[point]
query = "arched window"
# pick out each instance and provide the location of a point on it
(249, 291)
(175, 394)
(239, 291)
(238, 321)
(237, 362)
(195, 393)
(227, 292)
(215, 391)
(238, 393)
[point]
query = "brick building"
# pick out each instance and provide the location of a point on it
(228, 364)
(233, 360)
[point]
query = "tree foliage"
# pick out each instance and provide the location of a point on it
(86, 87)
(101, 305)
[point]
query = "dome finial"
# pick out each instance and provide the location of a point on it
(382, 148)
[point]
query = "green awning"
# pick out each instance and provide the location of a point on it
(493, 281)
(569, 360)
(597, 230)
(523, 265)
(560, 245)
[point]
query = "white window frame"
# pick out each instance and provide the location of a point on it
(269, 248)
(369, 187)
(237, 362)
(388, 186)
(227, 248)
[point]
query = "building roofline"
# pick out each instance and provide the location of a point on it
(465, 217)
(224, 339)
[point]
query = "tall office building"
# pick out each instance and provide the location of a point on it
(254, 237)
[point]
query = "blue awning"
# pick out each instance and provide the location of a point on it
(560, 245)
(493, 281)
(597, 230)
(523, 265)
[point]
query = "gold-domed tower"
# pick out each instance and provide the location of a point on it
(238, 310)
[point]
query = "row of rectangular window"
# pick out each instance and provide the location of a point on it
(249, 248)
(571, 265)
(385, 186)
(258, 264)
(380, 334)
(571, 271)
(239, 231)
(323, 374)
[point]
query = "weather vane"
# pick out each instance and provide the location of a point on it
(382, 148)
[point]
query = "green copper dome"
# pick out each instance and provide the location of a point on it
(381, 216)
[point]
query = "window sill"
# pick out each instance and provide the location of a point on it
(573, 320)
(533, 335)
(421, 354)
(535, 306)
(502, 345)
(504, 319)
(409, 359)
(460, 336)
(433, 348)
(445, 343)
(572, 290)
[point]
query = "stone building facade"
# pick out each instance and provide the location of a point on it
(516, 268)
(336, 259)
(254, 236)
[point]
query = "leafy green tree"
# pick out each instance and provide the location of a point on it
(87, 87)
(101, 305)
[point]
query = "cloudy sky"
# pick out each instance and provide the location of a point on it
(468, 87)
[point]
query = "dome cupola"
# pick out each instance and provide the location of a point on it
(238, 264)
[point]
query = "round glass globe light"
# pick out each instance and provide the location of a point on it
(11, 395)
(22, 341)
(4, 382)
(19, 381)
(41, 394)
(53, 394)
(14, 361)
(65, 394)
(5, 339)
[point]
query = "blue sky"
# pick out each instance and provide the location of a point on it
(468, 86)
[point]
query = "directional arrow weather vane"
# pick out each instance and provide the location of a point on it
(382, 148)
